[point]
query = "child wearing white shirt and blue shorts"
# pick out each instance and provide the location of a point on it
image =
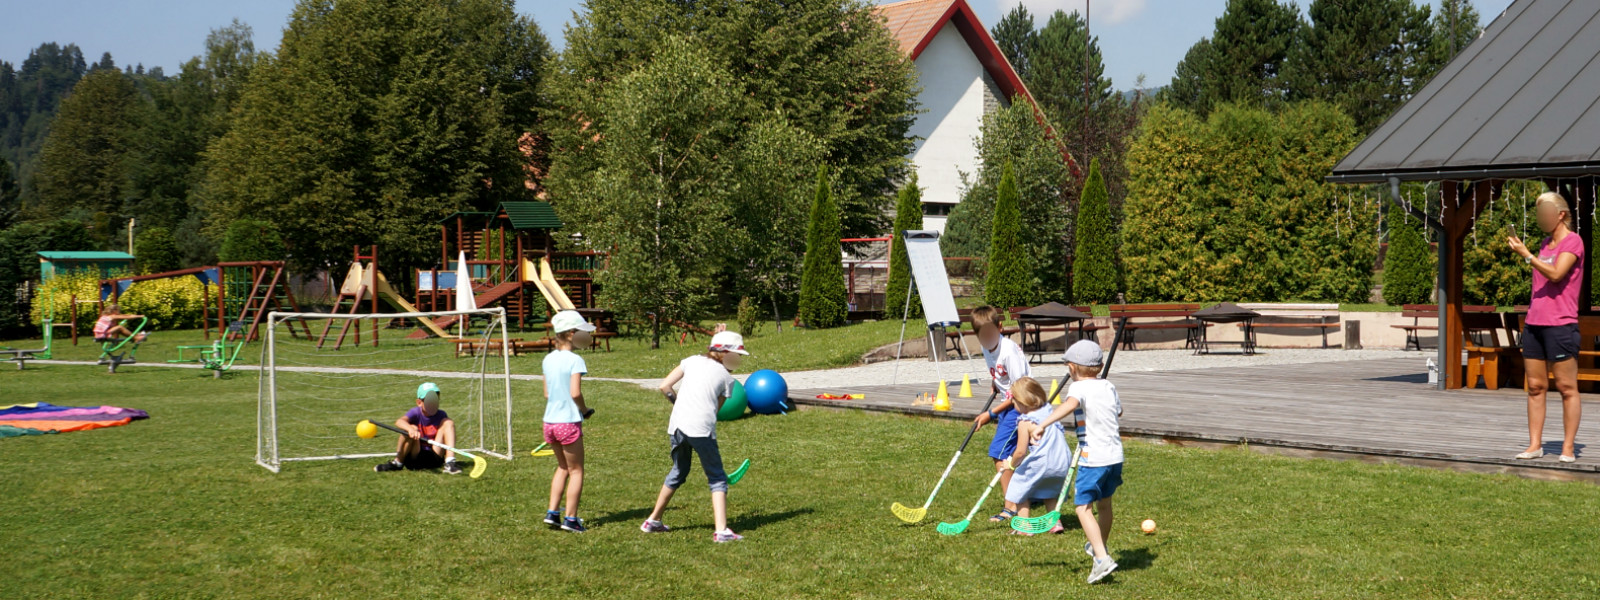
(1095, 405)
(702, 381)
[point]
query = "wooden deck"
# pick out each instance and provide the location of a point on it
(1378, 410)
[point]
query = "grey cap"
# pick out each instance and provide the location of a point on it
(1084, 352)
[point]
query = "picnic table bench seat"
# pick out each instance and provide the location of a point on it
(1182, 311)
(1326, 316)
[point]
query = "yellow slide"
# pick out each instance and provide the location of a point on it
(544, 279)
(389, 295)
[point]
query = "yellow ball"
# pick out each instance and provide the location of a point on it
(1148, 526)
(366, 429)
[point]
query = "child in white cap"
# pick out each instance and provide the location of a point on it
(564, 412)
(702, 381)
(1096, 408)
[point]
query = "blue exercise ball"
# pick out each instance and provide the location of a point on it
(767, 392)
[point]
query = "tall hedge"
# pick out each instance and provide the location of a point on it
(249, 239)
(1233, 208)
(1409, 268)
(1095, 276)
(907, 215)
(155, 250)
(1010, 281)
(822, 293)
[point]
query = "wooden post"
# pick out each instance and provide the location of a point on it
(1461, 207)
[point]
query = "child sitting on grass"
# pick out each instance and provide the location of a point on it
(1040, 467)
(109, 328)
(706, 379)
(425, 421)
(1007, 363)
(1095, 404)
(564, 412)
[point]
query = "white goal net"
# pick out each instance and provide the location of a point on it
(314, 389)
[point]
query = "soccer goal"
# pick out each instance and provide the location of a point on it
(310, 398)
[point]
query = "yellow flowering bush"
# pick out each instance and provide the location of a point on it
(169, 303)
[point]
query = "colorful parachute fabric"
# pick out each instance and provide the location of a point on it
(40, 418)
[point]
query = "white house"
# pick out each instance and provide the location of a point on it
(963, 76)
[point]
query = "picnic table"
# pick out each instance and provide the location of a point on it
(1032, 323)
(1226, 312)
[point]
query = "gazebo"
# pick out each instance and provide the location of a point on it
(1520, 102)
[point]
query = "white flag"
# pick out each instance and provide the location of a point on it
(464, 298)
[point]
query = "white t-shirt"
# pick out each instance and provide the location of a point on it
(1100, 442)
(1007, 364)
(704, 385)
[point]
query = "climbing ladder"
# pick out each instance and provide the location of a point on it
(269, 291)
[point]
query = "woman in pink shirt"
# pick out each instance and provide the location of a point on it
(1550, 340)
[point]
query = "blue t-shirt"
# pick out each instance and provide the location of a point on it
(558, 369)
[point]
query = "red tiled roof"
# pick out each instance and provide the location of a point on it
(914, 23)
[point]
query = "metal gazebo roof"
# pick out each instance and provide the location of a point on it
(1519, 102)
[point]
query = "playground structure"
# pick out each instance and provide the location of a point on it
(365, 286)
(511, 257)
(246, 292)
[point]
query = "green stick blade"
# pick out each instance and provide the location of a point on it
(738, 473)
(1040, 524)
(954, 528)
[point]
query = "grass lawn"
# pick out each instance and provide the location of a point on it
(175, 507)
(789, 350)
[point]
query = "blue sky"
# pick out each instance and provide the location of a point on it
(1146, 37)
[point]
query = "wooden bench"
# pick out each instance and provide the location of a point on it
(1184, 311)
(471, 347)
(1484, 357)
(1418, 312)
(1326, 317)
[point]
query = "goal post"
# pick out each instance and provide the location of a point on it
(310, 398)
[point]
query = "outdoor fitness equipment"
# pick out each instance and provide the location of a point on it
(121, 351)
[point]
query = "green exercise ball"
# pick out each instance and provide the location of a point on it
(735, 405)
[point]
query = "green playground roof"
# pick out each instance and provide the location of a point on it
(85, 256)
(531, 214)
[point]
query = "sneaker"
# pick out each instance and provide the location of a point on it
(1088, 548)
(653, 527)
(1102, 568)
(574, 525)
(451, 467)
(1058, 529)
(393, 465)
(726, 535)
(552, 518)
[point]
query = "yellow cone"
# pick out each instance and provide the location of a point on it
(1055, 384)
(942, 401)
(966, 386)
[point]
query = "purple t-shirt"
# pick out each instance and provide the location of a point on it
(1556, 302)
(428, 425)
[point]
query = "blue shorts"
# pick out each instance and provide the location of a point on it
(1005, 436)
(1096, 483)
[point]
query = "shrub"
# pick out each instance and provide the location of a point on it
(155, 250)
(749, 316)
(1010, 281)
(1409, 267)
(822, 293)
(907, 216)
(1234, 208)
(1095, 276)
(249, 239)
(173, 303)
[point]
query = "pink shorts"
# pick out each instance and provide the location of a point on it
(563, 434)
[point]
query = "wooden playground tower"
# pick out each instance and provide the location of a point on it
(511, 256)
(246, 292)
